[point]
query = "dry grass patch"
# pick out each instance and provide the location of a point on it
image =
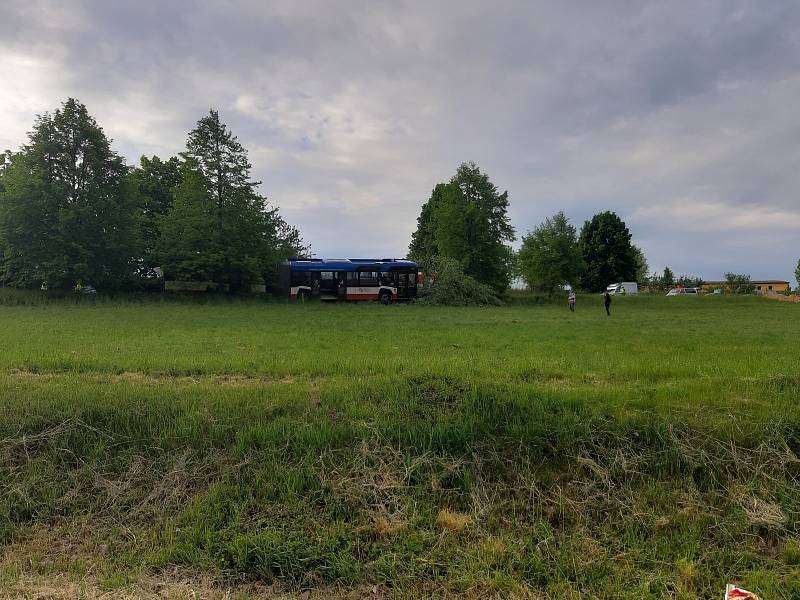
(687, 580)
(453, 521)
(765, 514)
(176, 585)
(157, 378)
(386, 525)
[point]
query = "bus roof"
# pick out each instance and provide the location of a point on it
(350, 264)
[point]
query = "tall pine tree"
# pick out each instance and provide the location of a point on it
(245, 236)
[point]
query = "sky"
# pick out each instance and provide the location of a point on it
(680, 116)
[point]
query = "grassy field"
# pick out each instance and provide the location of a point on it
(247, 449)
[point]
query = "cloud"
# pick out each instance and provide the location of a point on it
(696, 215)
(679, 116)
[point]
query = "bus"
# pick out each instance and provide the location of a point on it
(386, 280)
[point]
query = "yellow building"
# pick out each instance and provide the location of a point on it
(766, 285)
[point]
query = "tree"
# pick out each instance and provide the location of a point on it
(68, 209)
(668, 278)
(155, 181)
(233, 241)
(5, 161)
(607, 252)
(188, 247)
(423, 241)
(797, 274)
(689, 281)
(467, 219)
(549, 256)
(738, 283)
(448, 285)
(239, 210)
(642, 268)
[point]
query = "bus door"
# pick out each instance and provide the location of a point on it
(402, 284)
(412, 284)
(327, 285)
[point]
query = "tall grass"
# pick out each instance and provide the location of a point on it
(427, 451)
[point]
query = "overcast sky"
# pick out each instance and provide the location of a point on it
(680, 116)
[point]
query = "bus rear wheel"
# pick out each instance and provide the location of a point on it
(385, 297)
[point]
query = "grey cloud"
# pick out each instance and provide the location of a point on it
(354, 110)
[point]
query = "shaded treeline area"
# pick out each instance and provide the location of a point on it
(73, 213)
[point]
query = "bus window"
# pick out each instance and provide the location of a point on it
(352, 279)
(412, 280)
(368, 278)
(301, 278)
(326, 275)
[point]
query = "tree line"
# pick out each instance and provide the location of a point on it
(465, 224)
(466, 219)
(72, 212)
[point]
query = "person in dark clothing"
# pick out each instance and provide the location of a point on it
(341, 288)
(607, 303)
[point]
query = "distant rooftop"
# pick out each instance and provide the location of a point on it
(753, 281)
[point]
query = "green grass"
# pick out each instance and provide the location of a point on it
(651, 454)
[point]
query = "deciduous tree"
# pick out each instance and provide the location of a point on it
(156, 180)
(667, 278)
(550, 256)
(690, 281)
(738, 283)
(642, 268)
(68, 211)
(423, 240)
(607, 252)
(188, 247)
(797, 274)
(467, 219)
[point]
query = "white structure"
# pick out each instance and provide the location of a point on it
(624, 287)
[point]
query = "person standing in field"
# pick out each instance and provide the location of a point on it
(607, 303)
(571, 301)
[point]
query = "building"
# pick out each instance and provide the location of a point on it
(765, 285)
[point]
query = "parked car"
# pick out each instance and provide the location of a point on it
(683, 292)
(624, 287)
(85, 289)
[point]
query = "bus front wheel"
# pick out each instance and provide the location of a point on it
(385, 297)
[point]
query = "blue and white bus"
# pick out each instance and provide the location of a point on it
(387, 280)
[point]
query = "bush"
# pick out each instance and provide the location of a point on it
(446, 284)
(738, 283)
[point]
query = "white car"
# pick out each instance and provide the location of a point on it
(682, 292)
(624, 287)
